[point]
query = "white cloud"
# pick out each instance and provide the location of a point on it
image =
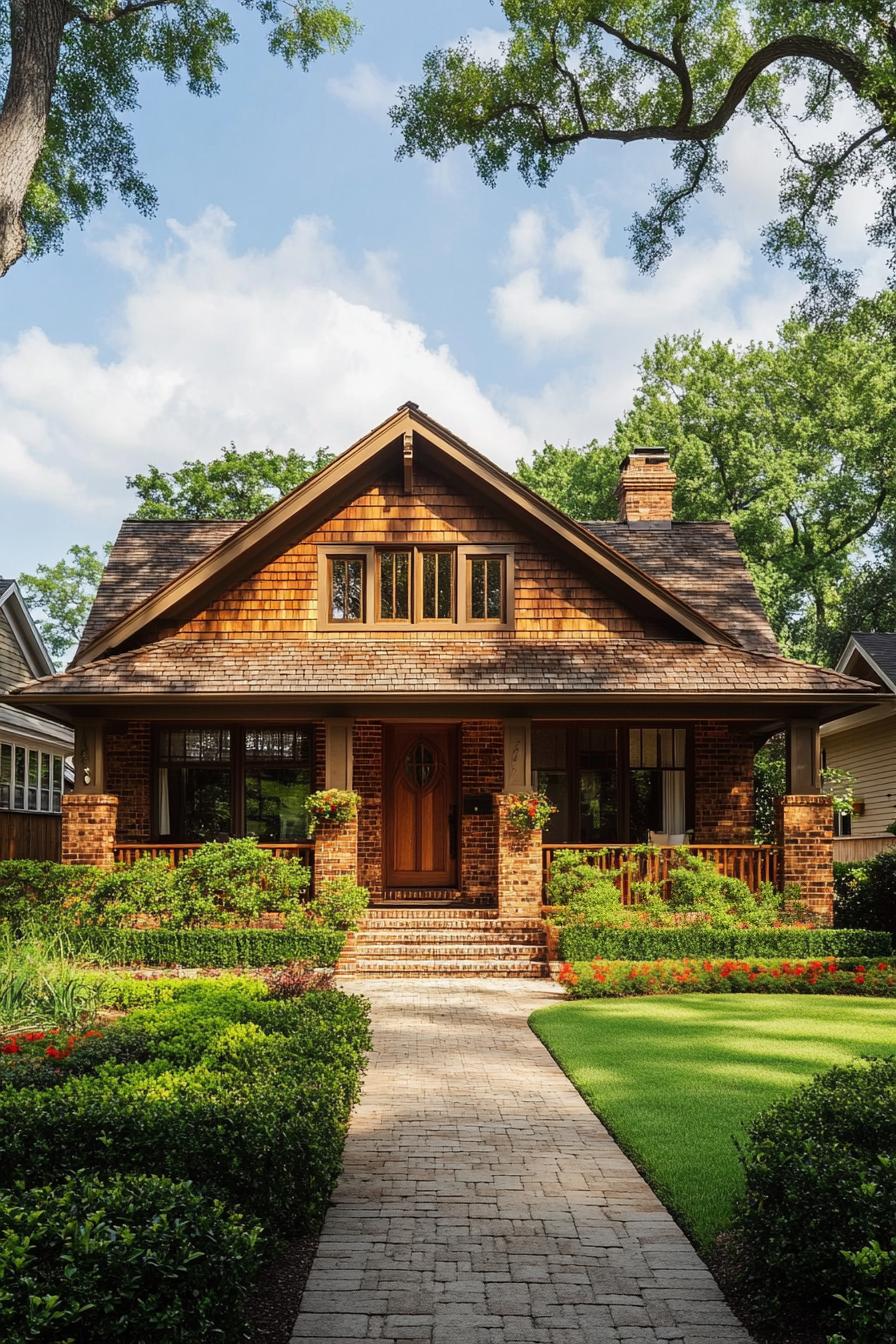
(487, 43)
(364, 90)
(295, 347)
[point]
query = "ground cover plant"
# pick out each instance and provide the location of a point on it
(600, 979)
(205, 1123)
(677, 1078)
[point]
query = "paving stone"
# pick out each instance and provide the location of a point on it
(482, 1202)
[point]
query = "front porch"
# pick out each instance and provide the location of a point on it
(432, 826)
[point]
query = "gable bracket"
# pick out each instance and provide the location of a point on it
(407, 457)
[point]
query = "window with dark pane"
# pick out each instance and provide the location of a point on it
(33, 779)
(19, 778)
(486, 577)
(347, 588)
(193, 784)
(395, 585)
(597, 775)
(45, 781)
(438, 585)
(550, 772)
(657, 782)
(5, 774)
(57, 783)
(277, 781)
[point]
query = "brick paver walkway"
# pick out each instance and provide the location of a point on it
(483, 1203)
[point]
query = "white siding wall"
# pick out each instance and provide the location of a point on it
(869, 752)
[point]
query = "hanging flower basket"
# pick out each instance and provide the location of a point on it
(338, 805)
(529, 811)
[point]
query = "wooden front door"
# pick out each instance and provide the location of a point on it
(421, 805)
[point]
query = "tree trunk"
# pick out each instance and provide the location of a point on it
(36, 28)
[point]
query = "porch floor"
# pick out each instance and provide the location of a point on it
(482, 1202)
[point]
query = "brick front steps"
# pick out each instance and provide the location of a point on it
(420, 941)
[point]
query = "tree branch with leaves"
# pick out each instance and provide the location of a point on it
(71, 80)
(679, 71)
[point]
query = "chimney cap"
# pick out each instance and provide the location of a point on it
(643, 453)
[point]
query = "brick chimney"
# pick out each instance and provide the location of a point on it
(646, 482)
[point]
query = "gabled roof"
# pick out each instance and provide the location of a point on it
(878, 652)
(27, 635)
(409, 433)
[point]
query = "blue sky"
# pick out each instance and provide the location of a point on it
(297, 283)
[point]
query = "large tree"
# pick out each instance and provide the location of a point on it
(72, 71)
(679, 71)
(232, 485)
(791, 441)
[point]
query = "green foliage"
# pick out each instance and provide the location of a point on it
(235, 880)
(604, 979)
(529, 811)
(865, 893)
(40, 986)
(106, 51)
(123, 1256)
(645, 70)
(820, 1180)
(33, 890)
(60, 596)
(769, 783)
(811, 496)
(697, 888)
(868, 1310)
(209, 947)
(339, 805)
(581, 943)
(233, 485)
(340, 903)
(581, 892)
(247, 1097)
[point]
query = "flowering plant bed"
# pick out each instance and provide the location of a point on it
(623, 979)
(338, 805)
(529, 811)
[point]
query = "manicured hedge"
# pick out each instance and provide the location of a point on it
(209, 947)
(819, 1197)
(122, 1257)
(579, 942)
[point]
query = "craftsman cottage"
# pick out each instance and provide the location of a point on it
(416, 625)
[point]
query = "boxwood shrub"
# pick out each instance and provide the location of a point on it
(579, 942)
(130, 1257)
(209, 947)
(820, 1192)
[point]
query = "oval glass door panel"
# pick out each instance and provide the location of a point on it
(420, 765)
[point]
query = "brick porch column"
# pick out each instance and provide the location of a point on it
(805, 827)
(335, 851)
(519, 867)
(88, 828)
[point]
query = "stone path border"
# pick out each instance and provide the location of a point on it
(483, 1203)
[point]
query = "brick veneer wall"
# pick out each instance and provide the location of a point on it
(88, 828)
(805, 825)
(129, 776)
(335, 850)
(723, 783)
(519, 867)
(367, 780)
(481, 771)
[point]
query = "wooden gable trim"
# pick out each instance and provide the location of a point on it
(310, 504)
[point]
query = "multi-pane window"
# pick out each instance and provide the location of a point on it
(347, 575)
(657, 762)
(395, 585)
(215, 782)
(437, 582)
(30, 779)
(485, 588)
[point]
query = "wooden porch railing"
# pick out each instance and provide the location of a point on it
(176, 854)
(753, 864)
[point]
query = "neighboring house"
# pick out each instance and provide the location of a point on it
(33, 749)
(416, 624)
(865, 744)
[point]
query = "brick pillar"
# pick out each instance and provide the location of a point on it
(519, 867)
(335, 851)
(88, 828)
(805, 826)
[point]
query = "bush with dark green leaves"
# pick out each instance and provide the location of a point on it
(582, 943)
(210, 947)
(235, 879)
(130, 1257)
(865, 893)
(340, 903)
(819, 1190)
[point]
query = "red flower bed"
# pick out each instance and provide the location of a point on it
(620, 979)
(52, 1044)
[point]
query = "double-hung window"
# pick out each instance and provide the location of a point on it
(410, 585)
(30, 779)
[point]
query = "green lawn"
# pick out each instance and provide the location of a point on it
(677, 1079)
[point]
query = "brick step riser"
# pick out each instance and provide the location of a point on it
(486, 925)
(447, 970)
(450, 938)
(477, 955)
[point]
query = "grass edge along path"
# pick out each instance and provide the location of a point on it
(677, 1079)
